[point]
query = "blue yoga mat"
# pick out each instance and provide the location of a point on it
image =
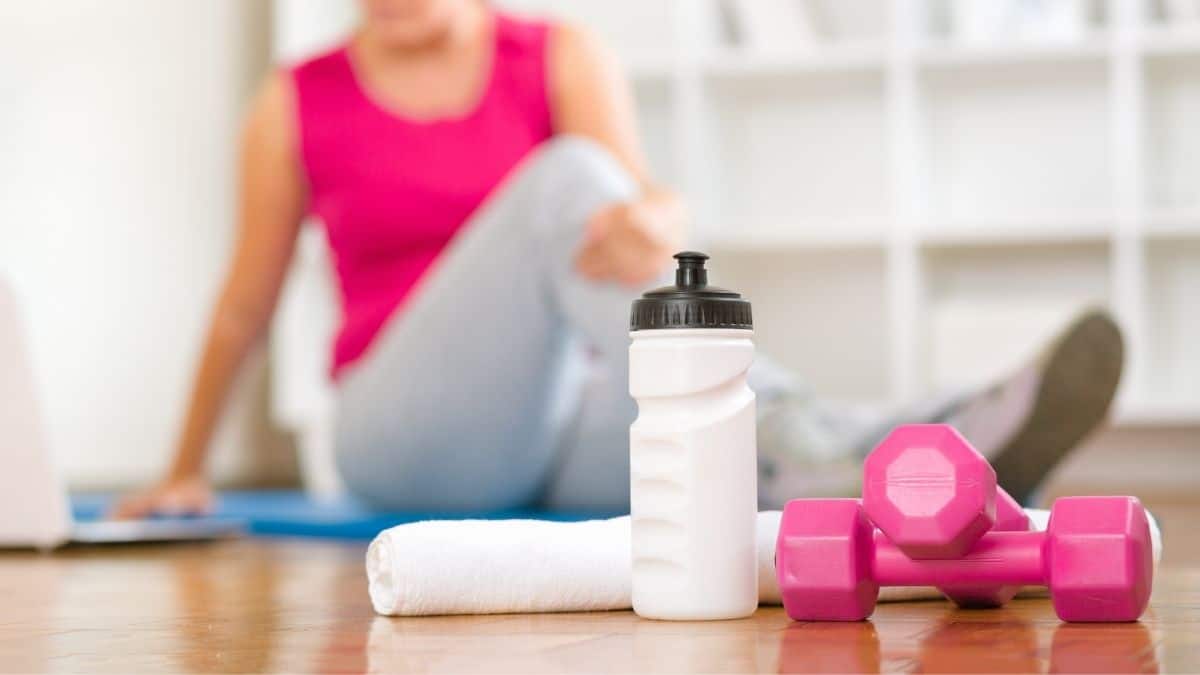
(292, 513)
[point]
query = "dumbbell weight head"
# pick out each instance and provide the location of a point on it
(917, 463)
(929, 491)
(823, 559)
(1010, 517)
(1100, 558)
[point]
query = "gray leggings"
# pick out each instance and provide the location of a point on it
(479, 394)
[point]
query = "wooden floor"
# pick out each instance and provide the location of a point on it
(289, 605)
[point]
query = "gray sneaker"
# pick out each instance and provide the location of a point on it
(803, 451)
(1028, 422)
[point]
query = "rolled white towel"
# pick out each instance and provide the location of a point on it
(500, 566)
(510, 566)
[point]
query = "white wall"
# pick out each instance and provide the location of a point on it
(118, 120)
(300, 28)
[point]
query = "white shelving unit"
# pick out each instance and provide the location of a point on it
(909, 211)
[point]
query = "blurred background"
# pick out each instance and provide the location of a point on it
(914, 194)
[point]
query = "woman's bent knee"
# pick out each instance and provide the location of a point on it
(585, 164)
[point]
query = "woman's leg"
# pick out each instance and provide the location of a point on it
(460, 402)
(470, 397)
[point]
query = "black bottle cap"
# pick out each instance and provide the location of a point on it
(691, 302)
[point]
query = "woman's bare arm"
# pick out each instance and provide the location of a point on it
(271, 205)
(591, 97)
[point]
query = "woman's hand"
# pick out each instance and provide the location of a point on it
(630, 243)
(188, 496)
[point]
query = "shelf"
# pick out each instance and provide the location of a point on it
(945, 53)
(1171, 41)
(1016, 153)
(830, 237)
(989, 310)
(822, 141)
(655, 122)
(960, 233)
(828, 58)
(1173, 224)
(1024, 229)
(871, 56)
(1172, 284)
(1156, 413)
(1170, 133)
(1082, 227)
(1033, 141)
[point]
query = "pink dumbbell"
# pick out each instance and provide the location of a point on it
(1095, 557)
(934, 495)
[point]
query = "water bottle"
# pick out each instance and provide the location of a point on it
(693, 476)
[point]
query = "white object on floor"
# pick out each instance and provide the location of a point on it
(33, 506)
(34, 510)
(507, 566)
(492, 567)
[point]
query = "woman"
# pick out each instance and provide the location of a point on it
(489, 210)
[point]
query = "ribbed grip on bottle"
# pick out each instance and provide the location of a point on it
(689, 313)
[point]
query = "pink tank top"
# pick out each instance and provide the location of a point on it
(392, 192)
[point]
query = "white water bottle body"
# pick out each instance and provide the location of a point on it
(693, 474)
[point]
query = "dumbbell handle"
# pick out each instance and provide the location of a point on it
(1005, 558)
